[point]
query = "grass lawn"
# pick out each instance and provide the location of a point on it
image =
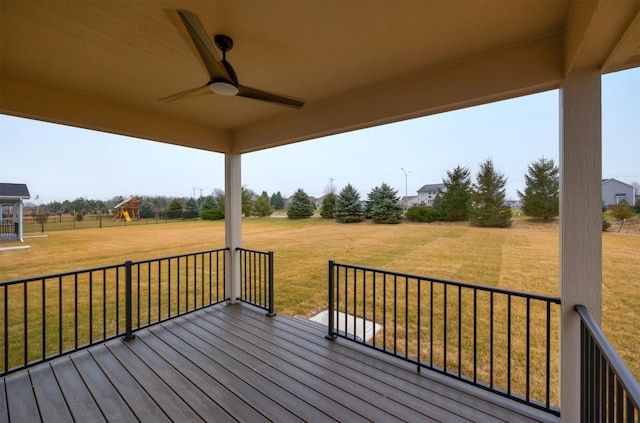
(524, 257)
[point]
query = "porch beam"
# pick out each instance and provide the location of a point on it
(580, 224)
(233, 224)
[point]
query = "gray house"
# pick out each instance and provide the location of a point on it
(11, 196)
(614, 192)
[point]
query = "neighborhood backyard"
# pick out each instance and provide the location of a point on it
(523, 258)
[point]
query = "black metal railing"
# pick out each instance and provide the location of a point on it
(608, 390)
(50, 316)
(500, 340)
(256, 278)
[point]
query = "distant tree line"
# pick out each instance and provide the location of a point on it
(481, 202)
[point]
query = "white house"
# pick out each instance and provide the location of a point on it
(428, 193)
(11, 197)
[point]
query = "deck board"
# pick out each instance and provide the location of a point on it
(406, 405)
(337, 389)
(81, 403)
(48, 395)
(110, 401)
(247, 385)
(22, 405)
(233, 363)
(138, 400)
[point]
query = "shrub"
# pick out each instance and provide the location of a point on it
(622, 211)
(423, 214)
(212, 214)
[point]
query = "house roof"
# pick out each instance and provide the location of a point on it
(14, 192)
(104, 66)
(123, 202)
(431, 188)
(604, 181)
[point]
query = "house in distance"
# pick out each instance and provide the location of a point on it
(11, 197)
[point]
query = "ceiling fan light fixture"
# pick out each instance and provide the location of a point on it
(224, 88)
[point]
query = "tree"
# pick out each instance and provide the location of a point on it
(541, 197)
(277, 202)
(209, 209)
(454, 201)
(261, 206)
(147, 209)
(300, 207)
(348, 208)
(175, 209)
(488, 208)
(247, 201)
(328, 205)
(383, 205)
(191, 209)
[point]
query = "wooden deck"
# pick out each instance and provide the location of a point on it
(233, 363)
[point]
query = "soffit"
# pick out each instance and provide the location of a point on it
(104, 64)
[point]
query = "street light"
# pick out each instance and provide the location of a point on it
(405, 186)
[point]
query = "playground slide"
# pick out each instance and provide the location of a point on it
(126, 216)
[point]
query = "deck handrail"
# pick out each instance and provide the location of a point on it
(256, 278)
(609, 391)
(49, 316)
(465, 331)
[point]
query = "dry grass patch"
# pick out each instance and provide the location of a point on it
(524, 257)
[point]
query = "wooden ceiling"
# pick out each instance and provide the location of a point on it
(104, 65)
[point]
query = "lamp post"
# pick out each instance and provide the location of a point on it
(405, 186)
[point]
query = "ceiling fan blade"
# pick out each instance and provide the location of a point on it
(204, 45)
(187, 93)
(271, 98)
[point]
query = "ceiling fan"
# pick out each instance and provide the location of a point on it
(222, 78)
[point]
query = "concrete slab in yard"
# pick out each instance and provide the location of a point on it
(364, 329)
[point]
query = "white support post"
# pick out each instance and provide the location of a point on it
(580, 224)
(233, 224)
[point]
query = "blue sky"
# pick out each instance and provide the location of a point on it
(58, 162)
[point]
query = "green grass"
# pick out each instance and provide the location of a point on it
(524, 257)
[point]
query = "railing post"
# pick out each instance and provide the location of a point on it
(128, 301)
(271, 312)
(330, 334)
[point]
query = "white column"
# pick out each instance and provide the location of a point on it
(580, 224)
(233, 224)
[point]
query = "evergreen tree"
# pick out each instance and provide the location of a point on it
(328, 205)
(277, 202)
(383, 205)
(175, 209)
(147, 209)
(348, 208)
(453, 202)
(541, 194)
(213, 206)
(301, 207)
(207, 203)
(488, 208)
(261, 206)
(191, 209)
